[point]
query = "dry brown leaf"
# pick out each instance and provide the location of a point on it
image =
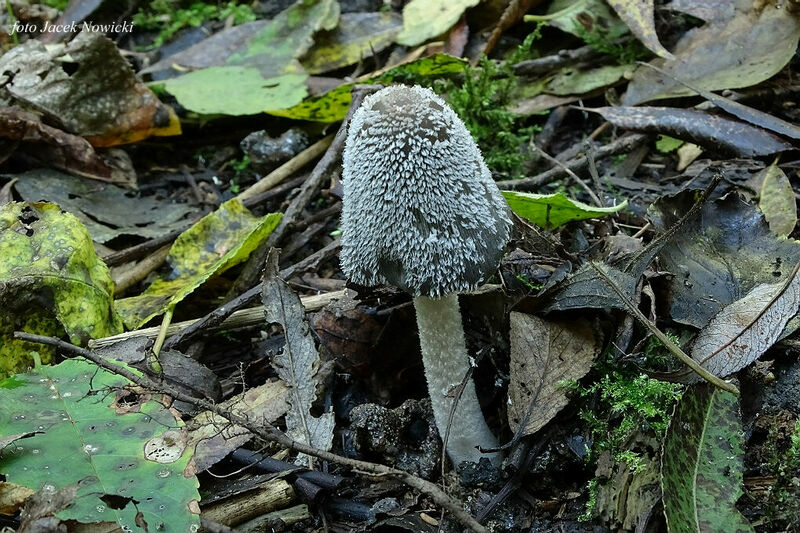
(745, 329)
(12, 497)
(542, 355)
(213, 437)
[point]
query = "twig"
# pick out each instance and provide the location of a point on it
(141, 270)
(621, 145)
(240, 319)
(268, 433)
(220, 314)
(571, 174)
(287, 169)
(673, 348)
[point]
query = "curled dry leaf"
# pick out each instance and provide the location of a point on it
(776, 200)
(543, 354)
(745, 329)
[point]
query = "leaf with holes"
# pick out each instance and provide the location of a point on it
(124, 450)
(702, 462)
(51, 281)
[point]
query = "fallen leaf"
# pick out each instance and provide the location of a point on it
(357, 37)
(82, 438)
(572, 80)
(62, 150)
(702, 462)
(638, 16)
(425, 19)
(214, 244)
(766, 37)
(746, 328)
(298, 364)
(543, 354)
(776, 200)
(50, 277)
(12, 497)
(213, 437)
(582, 17)
(554, 210)
(333, 105)
(106, 210)
(713, 132)
(721, 254)
(87, 86)
(258, 69)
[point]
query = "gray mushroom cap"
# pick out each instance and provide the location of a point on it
(420, 211)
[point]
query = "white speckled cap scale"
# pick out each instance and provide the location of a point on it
(421, 211)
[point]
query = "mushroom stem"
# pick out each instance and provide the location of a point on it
(444, 355)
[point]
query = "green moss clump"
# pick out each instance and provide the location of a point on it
(625, 404)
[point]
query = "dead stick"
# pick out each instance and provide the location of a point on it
(624, 144)
(268, 433)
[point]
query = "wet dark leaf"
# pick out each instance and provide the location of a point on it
(723, 252)
(712, 132)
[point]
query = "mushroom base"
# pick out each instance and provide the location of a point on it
(444, 355)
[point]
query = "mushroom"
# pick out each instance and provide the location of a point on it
(422, 213)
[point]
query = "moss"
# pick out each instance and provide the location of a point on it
(168, 17)
(617, 43)
(481, 102)
(627, 403)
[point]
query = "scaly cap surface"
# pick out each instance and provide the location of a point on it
(420, 210)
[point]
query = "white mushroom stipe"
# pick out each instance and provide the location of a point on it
(444, 355)
(421, 212)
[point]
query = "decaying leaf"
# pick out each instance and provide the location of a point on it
(713, 132)
(776, 200)
(575, 81)
(12, 497)
(702, 462)
(542, 355)
(554, 210)
(638, 15)
(425, 19)
(723, 252)
(213, 437)
(298, 364)
(59, 149)
(357, 37)
(746, 328)
(82, 438)
(333, 105)
(587, 289)
(87, 86)
(582, 18)
(766, 36)
(50, 278)
(106, 210)
(217, 242)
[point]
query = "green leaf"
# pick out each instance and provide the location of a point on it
(50, 278)
(554, 210)
(236, 90)
(702, 461)
(95, 433)
(777, 201)
(666, 144)
(332, 106)
(262, 74)
(424, 19)
(217, 242)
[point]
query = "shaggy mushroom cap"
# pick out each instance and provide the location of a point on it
(420, 210)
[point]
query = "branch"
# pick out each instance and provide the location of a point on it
(269, 433)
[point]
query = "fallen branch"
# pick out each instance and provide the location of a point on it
(268, 433)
